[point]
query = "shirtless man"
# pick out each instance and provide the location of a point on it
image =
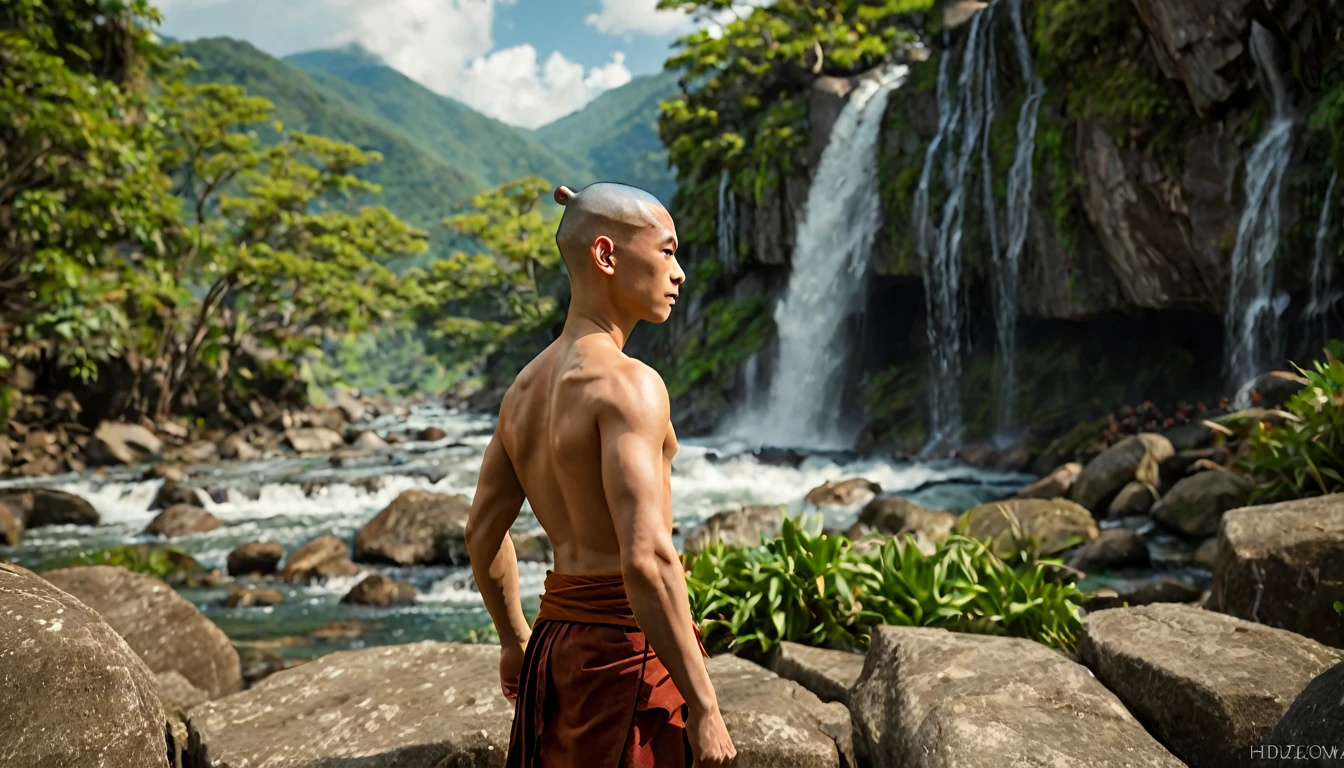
(613, 673)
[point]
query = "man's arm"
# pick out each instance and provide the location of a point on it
(632, 430)
(499, 497)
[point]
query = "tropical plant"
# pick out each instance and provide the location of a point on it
(1303, 453)
(824, 590)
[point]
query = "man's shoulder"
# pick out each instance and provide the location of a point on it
(632, 388)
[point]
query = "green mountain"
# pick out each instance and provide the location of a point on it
(615, 137)
(492, 150)
(417, 184)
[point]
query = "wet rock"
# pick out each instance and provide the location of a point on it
(11, 525)
(1195, 505)
(260, 664)
(827, 673)
(325, 557)
(738, 526)
(1283, 565)
(237, 447)
(255, 558)
(417, 528)
(353, 410)
(779, 457)
(313, 439)
(843, 493)
(72, 693)
(893, 515)
(431, 435)
(1206, 555)
(1315, 718)
(1208, 685)
(1134, 499)
(377, 589)
(827, 101)
(1054, 485)
(182, 520)
(532, 547)
(1045, 526)
(1194, 435)
(251, 597)
(167, 470)
(929, 698)
(1138, 457)
(1113, 548)
(1273, 389)
(369, 441)
(421, 704)
(163, 628)
(1186, 462)
(1195, 42)
(1158, 589)
(172, 494)
(178, 694)
(776, 722)
(38, 507)
(118, 443)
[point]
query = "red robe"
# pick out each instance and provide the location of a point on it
(593, 693)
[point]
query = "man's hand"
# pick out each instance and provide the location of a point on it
(710, 745)
(510, 669)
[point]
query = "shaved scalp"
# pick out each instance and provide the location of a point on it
(618, 211)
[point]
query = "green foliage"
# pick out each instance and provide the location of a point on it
(823, 590)
(168, 563)
(728, 333)
(1304, 454)
(1339, 607)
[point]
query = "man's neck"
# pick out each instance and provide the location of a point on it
(585, 320)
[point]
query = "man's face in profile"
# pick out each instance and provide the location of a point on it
(648, 275)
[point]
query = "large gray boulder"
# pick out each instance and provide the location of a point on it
(1195, 504)
(417, 528)
(775, 722)
(1283, 565)
(1046, 525)
(1138, 457)
(422, 704)
(737, 526)
(118, 443)
(160, 626)
(1208, 685)
(72, 692)
(929, 698)
(825, 672)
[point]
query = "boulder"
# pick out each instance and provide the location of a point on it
(843, 493)
(1045, 526)
(1195, 504)
(11, 525)
(1134, 499)
(39, 506)
(431, 434)
(1208, 685)
(1054, 485)
(420, 704)
(893, 515)
(182, 520)
(417, 528)
(377, 589)
(72, 693)
(237, 447)
(198, 452)
(1283, 565)
(369, 441)
(776, 722)
(532, 547)
(1270, 390)
(353, 410)
(255, 558)
(1190, 436)
(313, 439)
(1138, 457)
(1113, 548)
(827, 673)
(177, 693)
(250, 597)
(1206, 554)
(162, 627)
(172, 494)
(737, 526)
(1315, 718)
(1155, 589)
(325, 557)
(118, 443)
(929, 698)
(167, 470)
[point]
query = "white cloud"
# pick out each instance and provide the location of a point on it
(510, 85)
(620, 17)
(431, 41)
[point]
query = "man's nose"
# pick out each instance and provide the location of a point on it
(678, 276)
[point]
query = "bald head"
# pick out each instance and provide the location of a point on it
(617, 211)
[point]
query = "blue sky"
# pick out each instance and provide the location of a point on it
(526, 62)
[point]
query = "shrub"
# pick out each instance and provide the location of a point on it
(824, 590)
(1303, 455)
(168, 563)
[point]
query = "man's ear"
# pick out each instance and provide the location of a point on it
(603, 251)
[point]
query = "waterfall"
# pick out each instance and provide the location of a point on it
(830, 264)
(1019, 212)
(940, 247)
(1323, 296)
(727, 223)
(1252, 337)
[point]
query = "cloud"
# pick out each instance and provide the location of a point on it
(512, 86)
(621, 17)
(431, 41)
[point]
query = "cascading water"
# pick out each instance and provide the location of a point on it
(1323, 295)
(1252, 337)
(939, 247)
(1019, 212)
(830, 263)
(727, 223)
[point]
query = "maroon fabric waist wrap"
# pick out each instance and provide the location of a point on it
(592, 691)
